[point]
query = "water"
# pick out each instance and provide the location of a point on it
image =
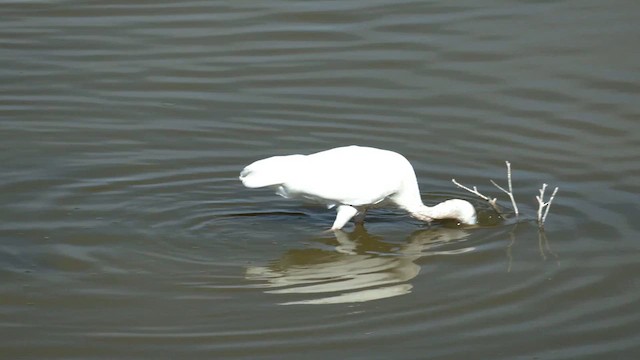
(126, 234)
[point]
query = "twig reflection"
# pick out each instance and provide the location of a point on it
(543, 246)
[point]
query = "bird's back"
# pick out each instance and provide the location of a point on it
(350, 175)
(270, 171)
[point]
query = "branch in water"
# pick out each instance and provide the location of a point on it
(475, 191)
(544, 205)
(510, 192)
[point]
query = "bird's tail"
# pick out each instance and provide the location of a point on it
(271, 171)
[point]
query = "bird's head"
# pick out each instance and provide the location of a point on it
(466, 213)
(459, 209)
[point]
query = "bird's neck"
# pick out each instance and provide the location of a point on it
(443, 210)
(409, 199)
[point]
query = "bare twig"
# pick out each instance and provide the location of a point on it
(543, 207)
(546, 211)
(542, 204)
(510, 192)
(475, 191)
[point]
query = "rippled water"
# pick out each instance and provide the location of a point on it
(125, 232)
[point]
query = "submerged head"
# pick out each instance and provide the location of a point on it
(462, 210)
(458, 209)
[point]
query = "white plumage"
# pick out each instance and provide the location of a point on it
(352, 178)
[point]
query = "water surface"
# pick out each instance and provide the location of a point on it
(126, 234)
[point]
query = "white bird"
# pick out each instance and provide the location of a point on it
(353, 179)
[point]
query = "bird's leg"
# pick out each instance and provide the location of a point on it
(359, 219)
(345, 213)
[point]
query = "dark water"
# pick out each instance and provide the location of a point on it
(126, 234)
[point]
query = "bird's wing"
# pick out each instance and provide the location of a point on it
(345, 178)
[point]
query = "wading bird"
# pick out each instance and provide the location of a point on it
(352, 179)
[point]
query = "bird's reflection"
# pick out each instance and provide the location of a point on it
(356, 267)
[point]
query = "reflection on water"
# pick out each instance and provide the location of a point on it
(124, 125)
(360, 267)
(544, 246)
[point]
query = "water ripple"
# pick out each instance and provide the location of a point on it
(125, 230)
